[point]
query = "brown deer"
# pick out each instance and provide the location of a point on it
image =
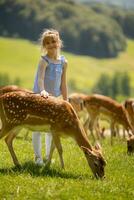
(23, 109)
(129, 106)
(99, 104)
(77, 101)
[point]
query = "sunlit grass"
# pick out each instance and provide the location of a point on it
(75, 182)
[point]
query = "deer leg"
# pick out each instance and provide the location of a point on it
(112, 128)
(97, 128)
(124, 132)
(86, 125)
(58, 145)
(49, 158)
(9, 142)
(91, 130)
(117, 128)
(3, 132)
(92, 125)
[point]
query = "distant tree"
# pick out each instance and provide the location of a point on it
(17, 81)
(125, 18)
(125, 83)
(118, 85)
(103, 86)
(5, 80)
(129, 24)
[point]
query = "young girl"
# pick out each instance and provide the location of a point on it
(50, 79)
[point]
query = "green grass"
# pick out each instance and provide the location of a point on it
(75, 182)
(19, 58)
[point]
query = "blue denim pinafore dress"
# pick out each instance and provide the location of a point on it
(52, 78)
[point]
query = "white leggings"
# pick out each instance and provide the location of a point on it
(36, 140)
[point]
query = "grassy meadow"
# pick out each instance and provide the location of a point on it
(74, 183)
(19, 58)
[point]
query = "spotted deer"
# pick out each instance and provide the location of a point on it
(99, 104)
(129, 106)
(23, 109)
(77, 101)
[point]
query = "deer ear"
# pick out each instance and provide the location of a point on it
(129, 135)
(86, 150)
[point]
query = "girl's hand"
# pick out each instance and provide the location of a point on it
(44, 94)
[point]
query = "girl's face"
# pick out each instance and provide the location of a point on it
(51, 44)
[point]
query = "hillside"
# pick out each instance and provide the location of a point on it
(19, 58)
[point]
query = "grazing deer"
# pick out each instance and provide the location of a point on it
(23, 109)
(99, 104)
(77, 101)
(129, 106)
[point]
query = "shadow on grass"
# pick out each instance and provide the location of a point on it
(37, 171)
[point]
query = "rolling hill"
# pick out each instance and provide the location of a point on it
(19, 58)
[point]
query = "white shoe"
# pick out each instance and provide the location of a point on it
(38, 161)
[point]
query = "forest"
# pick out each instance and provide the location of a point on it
(87, 29)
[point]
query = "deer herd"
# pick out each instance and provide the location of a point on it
(22, 108)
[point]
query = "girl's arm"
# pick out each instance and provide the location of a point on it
(41, 75)
(64, 91)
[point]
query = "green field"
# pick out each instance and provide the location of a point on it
(73, 183)
(19, 58)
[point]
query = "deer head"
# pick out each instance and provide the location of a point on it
(129, 106)
(130, 144)
(77, 101)
(129, 109)
(96, 161)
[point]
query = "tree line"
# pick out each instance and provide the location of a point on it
(6, 80)
(92, 30)
(116, 86)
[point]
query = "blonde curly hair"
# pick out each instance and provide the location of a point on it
(47, 35)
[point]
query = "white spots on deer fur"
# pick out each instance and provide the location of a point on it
(11, 111)
(52, 120)
(20, 111)
(10, 102)
(7, 95)
(62, 109)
